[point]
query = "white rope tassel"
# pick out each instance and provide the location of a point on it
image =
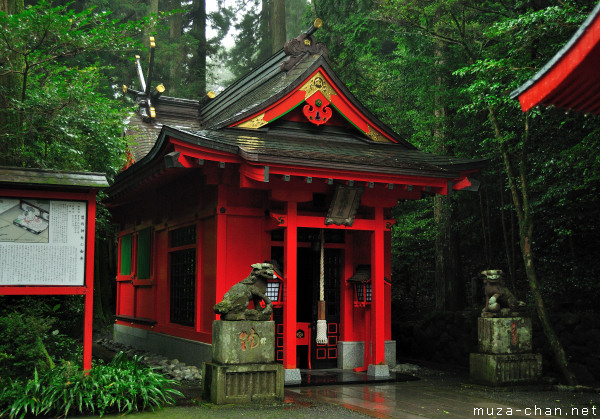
(321, 332)
(321, 322)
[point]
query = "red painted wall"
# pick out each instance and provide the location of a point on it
(236, 217)
(245, 245)
(208, 274)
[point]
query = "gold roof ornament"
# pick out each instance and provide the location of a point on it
(320, 84)
(254, 123)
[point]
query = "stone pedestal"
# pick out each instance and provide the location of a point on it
(292, 376)
(506, 335)
(501, 369)
(505, 352)
(376, 370)
(226, 384)
(243, 342)
(243, 368)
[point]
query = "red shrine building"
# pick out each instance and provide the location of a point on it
(283, 161)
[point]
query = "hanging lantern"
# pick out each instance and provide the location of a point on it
(362, 290)
(275, 289)
(361, 280)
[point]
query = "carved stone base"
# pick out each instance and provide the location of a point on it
(510, 335)
(501, 369)
(243, 342)
(228, 384)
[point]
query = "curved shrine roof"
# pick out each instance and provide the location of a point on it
(295, 113)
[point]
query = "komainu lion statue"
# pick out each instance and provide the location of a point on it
(235, 301)
(500, 302)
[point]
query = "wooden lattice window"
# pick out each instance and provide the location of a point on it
(126, 254)
(182, 259)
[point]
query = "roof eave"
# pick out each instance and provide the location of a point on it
(590, 28)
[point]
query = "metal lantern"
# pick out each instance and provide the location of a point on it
(275, 289)
(363, 289)
(362, 285)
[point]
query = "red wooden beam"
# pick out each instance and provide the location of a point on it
(41, 290)
(297, 96)
(204, 153)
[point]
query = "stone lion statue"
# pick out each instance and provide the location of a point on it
(235, 301)
(500, 302)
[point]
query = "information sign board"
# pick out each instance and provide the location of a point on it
(42, 242)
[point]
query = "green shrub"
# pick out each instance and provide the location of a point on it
(22, 347)
(123, 385)
(31, 335)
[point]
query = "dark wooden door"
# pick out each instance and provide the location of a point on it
(322, 356)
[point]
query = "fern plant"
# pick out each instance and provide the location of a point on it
(123, 385)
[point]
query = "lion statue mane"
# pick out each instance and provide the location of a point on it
(500, 301)
(253, 288)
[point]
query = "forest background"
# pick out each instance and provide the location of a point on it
(438, 72)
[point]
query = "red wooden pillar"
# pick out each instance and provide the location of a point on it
(347, 292)
(221, 259)
(290, 273)
(378, 293)
(88, 307)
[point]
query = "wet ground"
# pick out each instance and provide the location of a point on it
(435, 394)
(429, 392)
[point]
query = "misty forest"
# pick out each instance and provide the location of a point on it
(437, 72)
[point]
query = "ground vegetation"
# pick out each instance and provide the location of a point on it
(438, 72)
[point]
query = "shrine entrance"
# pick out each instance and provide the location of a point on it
(309, 353)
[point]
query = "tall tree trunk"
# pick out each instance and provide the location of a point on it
(12, 7)
(264, 29)
(277, 19)
(484, 232)
(10, 87)
(199, 31)
(176, 54)
(448, 290)
(508, 243)
(520, 197)
(152, 10)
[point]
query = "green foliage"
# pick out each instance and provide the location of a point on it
(22, 346)
(432, 70)
(52, 111)
(121, 386)
(413, 236)
(253, 33)
(34, 333)
(252, 45)
(561, 168)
